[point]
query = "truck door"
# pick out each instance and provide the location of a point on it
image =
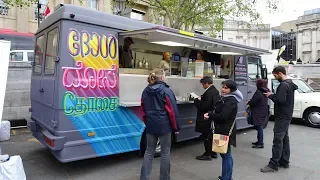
(254, 73)
(241, 78)
(43, 79)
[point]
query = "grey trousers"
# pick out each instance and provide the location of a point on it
(280, 149)
(165, 141)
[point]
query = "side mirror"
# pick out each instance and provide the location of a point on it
(264, 73)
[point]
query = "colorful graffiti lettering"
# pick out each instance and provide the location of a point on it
(85, 44)
(87, 77)
(78, 106)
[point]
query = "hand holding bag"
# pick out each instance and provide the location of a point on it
(220, 142)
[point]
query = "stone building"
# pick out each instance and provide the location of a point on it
(26, 19)
(308, 36)
(240, 32)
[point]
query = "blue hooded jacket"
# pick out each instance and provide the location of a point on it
(160, 111)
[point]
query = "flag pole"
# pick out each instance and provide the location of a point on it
(38, 7)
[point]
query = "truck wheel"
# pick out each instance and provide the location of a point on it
(143, 146)
(312, 117)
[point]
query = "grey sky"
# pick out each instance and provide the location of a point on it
(288, 10)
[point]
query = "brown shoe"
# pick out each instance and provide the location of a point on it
(268, 169)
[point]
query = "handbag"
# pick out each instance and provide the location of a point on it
(220, 142)
(249, 115)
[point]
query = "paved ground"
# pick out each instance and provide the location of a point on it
(305, 160)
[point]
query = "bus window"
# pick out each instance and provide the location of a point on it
(16, 56)
(38, 55)
(51, 53)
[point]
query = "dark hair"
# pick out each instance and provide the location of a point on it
(230, 84)
(206, 79)
(201, 53)
(128, 39)
(261, 83)
(279, 69)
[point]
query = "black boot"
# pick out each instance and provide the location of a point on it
(258, 146)
(204, 157)
(269, 169)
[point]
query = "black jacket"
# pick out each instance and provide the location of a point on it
(283, 105)
(206, 104)
(224, 115)
(259, 107)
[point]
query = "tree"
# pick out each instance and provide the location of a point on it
(187, 14)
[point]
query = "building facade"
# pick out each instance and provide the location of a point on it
(281, 38)
(240, 32)
(308, 36)
(25, 19)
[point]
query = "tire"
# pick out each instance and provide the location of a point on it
(312, 117)
(143, 146)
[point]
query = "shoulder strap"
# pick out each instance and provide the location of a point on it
(230, 132)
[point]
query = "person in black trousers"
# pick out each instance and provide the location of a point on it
(259, 110)
(283, 110)
(205, 104)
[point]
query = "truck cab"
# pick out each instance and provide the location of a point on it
(306, 102)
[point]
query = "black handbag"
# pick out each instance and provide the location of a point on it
(249, 115)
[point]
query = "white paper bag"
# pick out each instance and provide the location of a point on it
(4, 130)
(12, 169)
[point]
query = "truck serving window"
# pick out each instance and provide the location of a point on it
(38, 55)
(51, 54)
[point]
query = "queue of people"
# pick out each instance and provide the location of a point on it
(216, 115)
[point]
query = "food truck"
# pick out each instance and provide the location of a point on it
(84, 106)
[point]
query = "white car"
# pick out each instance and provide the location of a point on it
(21, 55)
(306, 102)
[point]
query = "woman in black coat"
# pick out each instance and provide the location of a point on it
(224, 116)
(259, 110)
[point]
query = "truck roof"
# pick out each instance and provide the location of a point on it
(92, 16)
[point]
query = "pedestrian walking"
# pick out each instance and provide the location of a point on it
(259, 111)
(160, 114)
(283, 110)
(204, 104)
(224, 117)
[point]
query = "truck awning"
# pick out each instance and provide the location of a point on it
(173, 37)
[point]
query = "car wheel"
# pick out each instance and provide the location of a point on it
(143, 146)
(312, 117)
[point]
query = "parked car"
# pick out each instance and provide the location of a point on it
(22, 55)
(306, 102)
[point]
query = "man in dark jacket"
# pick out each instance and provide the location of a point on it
(283, 110)
(205, 104)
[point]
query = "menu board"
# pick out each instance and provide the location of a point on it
(240, 71)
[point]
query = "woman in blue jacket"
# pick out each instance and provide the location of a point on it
(160, 114)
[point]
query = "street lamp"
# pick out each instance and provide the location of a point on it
(120, 6)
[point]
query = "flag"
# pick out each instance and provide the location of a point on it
(46, 11)
(310, 81)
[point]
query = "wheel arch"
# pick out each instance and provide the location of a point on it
(307, 109)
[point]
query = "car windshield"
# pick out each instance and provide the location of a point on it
(303, 86)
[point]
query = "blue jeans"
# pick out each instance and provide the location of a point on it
(165, 141)
(227, 165)
(260, 134)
